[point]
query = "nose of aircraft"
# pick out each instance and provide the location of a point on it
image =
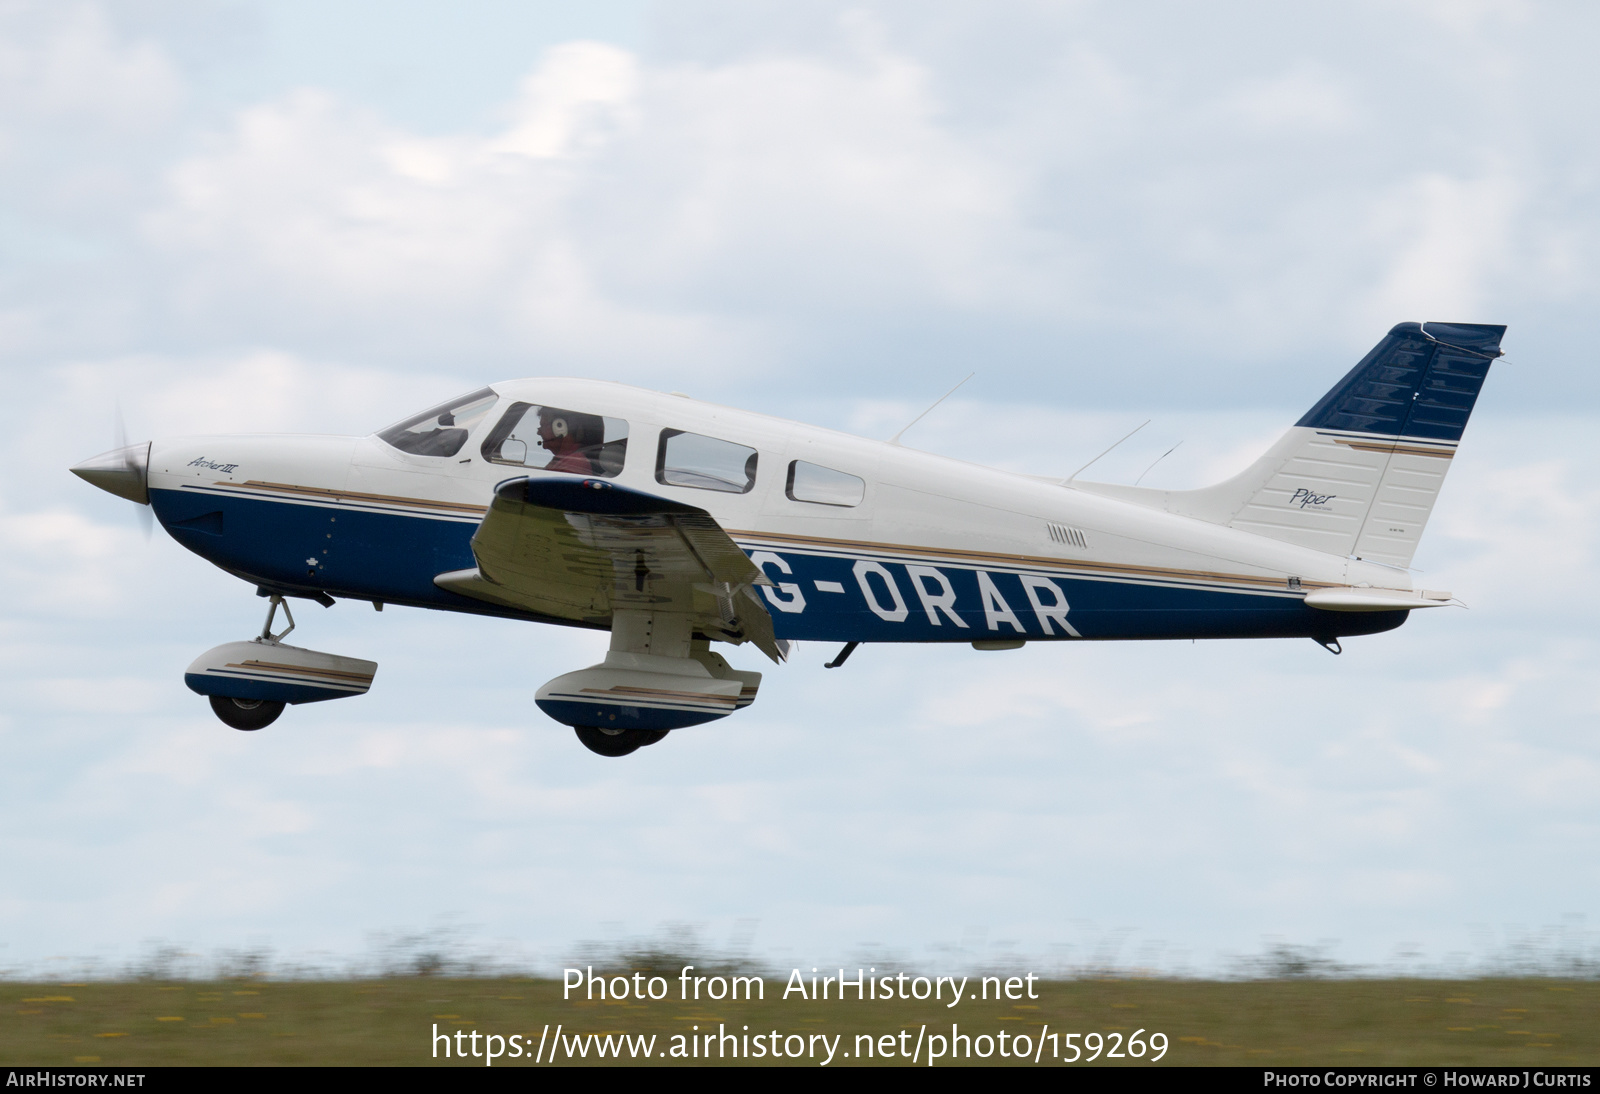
(122, 471)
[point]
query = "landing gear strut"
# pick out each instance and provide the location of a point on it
(272, 609)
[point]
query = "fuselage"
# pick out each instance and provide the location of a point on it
(865, 541)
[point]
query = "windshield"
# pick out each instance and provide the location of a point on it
(442, 430)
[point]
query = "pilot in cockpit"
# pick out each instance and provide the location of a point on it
(573, 440)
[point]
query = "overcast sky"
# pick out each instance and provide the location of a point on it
(222, 216)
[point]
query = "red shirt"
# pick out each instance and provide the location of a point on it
(567, 456)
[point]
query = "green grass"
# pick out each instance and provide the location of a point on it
(1517, 1023)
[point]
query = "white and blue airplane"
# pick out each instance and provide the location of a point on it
(674, 524)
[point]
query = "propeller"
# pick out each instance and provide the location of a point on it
(137, 463)
(122, 471)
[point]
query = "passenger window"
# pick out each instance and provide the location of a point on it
(705, 463)
(823, 485)
(443, 430)
(548, 438)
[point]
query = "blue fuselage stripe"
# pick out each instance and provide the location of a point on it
(393, 557)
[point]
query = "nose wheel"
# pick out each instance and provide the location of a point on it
(252, 714)
(616, 742)
(246, 713)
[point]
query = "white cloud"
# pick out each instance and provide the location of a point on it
(579, 92)
(1467, 16)
(63, 64)
(1448, 242)
(837, 182)
(59, 561)
(333, 215)
(833, 203)
(86, 116)
(1307, 100)
(615, 196)
(253, 391)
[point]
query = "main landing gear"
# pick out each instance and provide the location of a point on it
(617, 742)
(658, 676)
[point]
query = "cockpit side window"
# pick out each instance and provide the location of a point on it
(549, 438)
(443, 430)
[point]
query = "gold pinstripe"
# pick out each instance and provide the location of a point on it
(1395, 446)
(1116, 569)
(356, 495)
(1080, 567)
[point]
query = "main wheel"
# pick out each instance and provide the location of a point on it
(650, 736)
(246, 713)
(609, 742)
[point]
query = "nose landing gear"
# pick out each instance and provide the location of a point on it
(249, 683)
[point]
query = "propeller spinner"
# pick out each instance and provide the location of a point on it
(122, 472)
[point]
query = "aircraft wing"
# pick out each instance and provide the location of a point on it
(581, 549)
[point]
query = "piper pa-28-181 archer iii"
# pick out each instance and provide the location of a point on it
(674, 523)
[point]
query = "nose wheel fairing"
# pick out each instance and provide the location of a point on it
(274, 672)
(249, 683)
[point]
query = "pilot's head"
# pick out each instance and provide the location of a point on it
(554, 425)
(566, 429)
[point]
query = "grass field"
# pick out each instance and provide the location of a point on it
(1290, 1022)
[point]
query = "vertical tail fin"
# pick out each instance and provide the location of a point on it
(1359, 473)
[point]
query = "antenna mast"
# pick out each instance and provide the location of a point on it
(1068, 480)
(896, 438)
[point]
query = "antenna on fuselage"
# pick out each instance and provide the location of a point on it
(1152, 467)
(896, 438)
(1068, 480)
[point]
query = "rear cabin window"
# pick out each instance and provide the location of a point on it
(823, 485)
(443, 430)
(705, 463)
(549, 438)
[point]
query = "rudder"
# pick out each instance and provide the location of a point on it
(1404, 408)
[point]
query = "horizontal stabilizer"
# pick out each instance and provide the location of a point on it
(1374, 600)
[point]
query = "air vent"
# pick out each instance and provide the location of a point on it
(1068, 537)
